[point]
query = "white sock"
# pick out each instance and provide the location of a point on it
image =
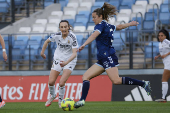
(52, 90)
(61, 93)
(164, 89)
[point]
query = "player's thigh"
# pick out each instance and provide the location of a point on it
(92, 72)
(166, 75)
(52, 77)
(64, 77)
(114, 75)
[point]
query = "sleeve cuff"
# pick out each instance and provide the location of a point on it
(114, 29)
(98, 30)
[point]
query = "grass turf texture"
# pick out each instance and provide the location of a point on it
(90, 107)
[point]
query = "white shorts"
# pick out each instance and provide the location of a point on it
(167, 65)
(56, 66)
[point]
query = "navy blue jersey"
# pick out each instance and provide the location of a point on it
(104, 39)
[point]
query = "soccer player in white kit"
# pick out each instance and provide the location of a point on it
(164, 49)
(65, 58)
(2, 103)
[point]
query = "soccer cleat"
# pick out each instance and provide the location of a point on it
(161, 100)
(48, 103)
(2, 104)
(80, 103)
(147, 87)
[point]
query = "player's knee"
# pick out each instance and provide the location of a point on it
(61, 83)
(85, 78)
(51, 83)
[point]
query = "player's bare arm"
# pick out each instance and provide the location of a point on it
(123, 26)
(3, 48)
(44, 47)
(89, 40)
(156, 57)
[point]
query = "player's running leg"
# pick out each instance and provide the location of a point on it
(114, 77)
(165, 78)
(92, 72)
(52, 78)
(61, 95)
(66, 74)
(52, 96)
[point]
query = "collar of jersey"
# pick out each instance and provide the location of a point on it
(102, 21)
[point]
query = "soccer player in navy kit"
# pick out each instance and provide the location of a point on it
(107, 59)
(2, 103)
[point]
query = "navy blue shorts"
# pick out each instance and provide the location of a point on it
(109, 62)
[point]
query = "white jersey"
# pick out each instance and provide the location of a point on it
(64, 46)
(164, 48)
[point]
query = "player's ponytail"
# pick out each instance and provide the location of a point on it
(107, 11)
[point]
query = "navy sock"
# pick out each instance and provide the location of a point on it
(131, 81)
(0, 99)
(85, 89)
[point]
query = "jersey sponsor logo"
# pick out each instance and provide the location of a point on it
(63, 46)
(74, 43)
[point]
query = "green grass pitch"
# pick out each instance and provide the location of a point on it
(90, 107)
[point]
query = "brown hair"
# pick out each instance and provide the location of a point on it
(107, 10)
(70, 26)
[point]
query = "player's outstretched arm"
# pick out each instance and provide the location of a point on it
(123, 26)
(43, 48)
(3, 48)
(89, 40)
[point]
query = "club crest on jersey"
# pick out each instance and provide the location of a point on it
(68, 41)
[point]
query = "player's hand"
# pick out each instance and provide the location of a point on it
(134, 23)
(43, 55)
(80, 48)
(5, 56)
(62, 63)
(156, 57)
